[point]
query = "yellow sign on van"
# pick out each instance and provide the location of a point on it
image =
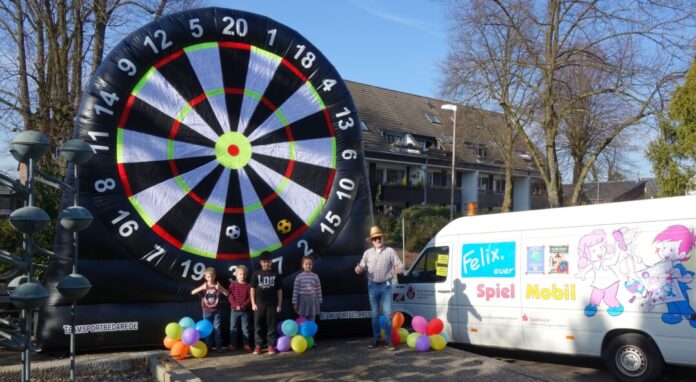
(441, 271)
(443, 259)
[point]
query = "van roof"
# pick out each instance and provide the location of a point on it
(672, 208)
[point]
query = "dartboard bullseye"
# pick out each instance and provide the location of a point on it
(220, 134)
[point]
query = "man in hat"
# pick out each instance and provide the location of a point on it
(381, 263)
(266, 299)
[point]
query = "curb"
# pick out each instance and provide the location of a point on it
(165, 369)
(93, 367)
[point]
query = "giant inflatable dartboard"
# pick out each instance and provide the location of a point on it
(219, 134)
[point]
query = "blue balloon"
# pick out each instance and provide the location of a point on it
(382, 322)
(308, 328)
(204, 328)
(187, 322)
(289, 328)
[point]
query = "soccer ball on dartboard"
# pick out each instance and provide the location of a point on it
(284, 226)
(233, 232)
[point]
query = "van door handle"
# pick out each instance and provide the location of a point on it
(443, 291)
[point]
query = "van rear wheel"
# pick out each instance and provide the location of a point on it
(632, 357)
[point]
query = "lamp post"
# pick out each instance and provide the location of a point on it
(453, 108)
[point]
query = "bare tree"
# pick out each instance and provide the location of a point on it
(642, 45)
(50, 49)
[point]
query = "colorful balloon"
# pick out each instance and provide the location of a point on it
(179, 350)
(187, 322)
(298, 344)
(300, 320)
(190, 336)
(445, 336)
(199, 349)
(422, 343)
(289, 328)
(382, 322)
(395, 338)
(204, 328)
(419, 324)
(173, 330)
(437, 342)
(308, 328)
(403, 334)
(168, 342)
(397, 320)
(411, 340)
(435, 326)
(310, 342)
(283, 343)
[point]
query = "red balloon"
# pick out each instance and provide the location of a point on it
(435, 326)
(397, 320)
(396, 339)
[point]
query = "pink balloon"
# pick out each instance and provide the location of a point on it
(300, 320)
(419, 324)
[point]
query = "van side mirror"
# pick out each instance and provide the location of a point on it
(402, 278)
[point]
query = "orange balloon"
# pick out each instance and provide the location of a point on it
(397, 320)
(179, 350)
(169, 342)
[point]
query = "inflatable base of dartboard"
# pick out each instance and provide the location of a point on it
(129, 304)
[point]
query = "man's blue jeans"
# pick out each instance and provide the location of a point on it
(380, 302)
(215, 318)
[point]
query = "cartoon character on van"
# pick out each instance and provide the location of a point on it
(674, 245)
(597, 260)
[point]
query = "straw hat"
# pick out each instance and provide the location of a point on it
(374, 232)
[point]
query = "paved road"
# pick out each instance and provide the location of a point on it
(571, 368)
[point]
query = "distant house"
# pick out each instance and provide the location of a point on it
(408, 148)
(10, 200)
(616, 191)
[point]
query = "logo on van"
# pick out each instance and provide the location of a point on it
(488, 259)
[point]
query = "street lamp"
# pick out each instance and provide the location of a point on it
(453, 108)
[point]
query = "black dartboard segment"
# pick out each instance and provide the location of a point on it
(220, 134)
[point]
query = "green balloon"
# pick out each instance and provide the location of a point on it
(173, 330)
(411, 339)
(310, 342)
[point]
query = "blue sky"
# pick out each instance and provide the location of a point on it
(394, 44)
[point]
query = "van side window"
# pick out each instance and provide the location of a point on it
(431, 266)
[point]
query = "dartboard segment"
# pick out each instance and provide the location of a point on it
(261, 68)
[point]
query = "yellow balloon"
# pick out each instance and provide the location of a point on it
(298, 344)
(381, 334)
(199, 349)
(437, 342)
(411, 339)
(173, 330)
(403, 334)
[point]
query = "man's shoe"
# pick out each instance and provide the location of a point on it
(271, 350)
(257, 350)
(374, 345)
(247, 348)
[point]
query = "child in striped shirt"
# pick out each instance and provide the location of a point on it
(306, 292)
(240, 306)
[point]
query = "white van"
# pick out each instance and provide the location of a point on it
(609, 280)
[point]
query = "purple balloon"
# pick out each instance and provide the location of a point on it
(422, 343)
(284, 343)
(190, 336)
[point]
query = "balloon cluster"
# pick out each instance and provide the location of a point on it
(427, 335)
(297, 335)
(185, 336)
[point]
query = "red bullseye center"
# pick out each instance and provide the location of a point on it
(233, 150)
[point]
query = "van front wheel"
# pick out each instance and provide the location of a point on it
(632, 357)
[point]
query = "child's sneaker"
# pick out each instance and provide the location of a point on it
(271, 350)
(257, 350)
(247, 348)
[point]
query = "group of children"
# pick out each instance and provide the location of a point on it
(262, 294)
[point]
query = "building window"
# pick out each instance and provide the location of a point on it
(391, 138)
(363, 126)
(498, 186)
(481, 152)
(395, 176)
(483, 183)
(433, 118)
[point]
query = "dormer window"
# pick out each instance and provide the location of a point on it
(363, 126)
(432, 118)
